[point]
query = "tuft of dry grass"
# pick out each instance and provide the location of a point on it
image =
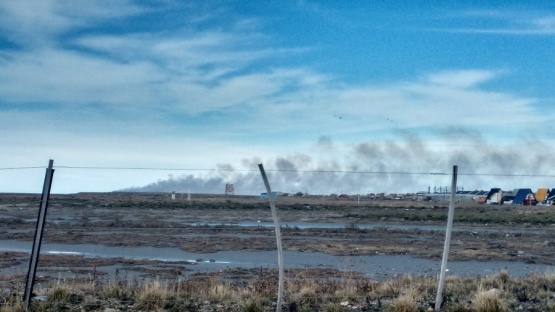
(253, 305)
(306, 297)
(334, 307)
(221, 293)
(488, 301)
(404, 303)
(13, 304)
(348, 291)
(152, 296)
(122, 292)
(389, 288)
(59, 293)
(497, 281)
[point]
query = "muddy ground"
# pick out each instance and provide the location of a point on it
(206, 224)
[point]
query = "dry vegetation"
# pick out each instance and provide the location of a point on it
(348, 292)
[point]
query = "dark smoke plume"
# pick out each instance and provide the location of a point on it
(406, 165)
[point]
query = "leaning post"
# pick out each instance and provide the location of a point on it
(38, 234)
(278, 237)
(450, 216)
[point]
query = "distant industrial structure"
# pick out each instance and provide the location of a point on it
(495, 196)
(229, 189)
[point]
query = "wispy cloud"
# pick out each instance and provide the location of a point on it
(503, 22)
(31, 23)
(197, 72)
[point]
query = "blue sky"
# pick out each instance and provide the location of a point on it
(297, 85)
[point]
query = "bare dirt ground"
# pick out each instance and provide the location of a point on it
(207, 224)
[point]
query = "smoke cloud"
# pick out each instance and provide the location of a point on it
(406, 165)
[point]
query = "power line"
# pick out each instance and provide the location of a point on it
(509, 175)
(247, 170)
(308, 171)
(284, 170)
(21, 168)
(145, 168)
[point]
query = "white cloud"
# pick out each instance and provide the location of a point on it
(506, 22)
(461, 78)
(29, 21)
(206, 71)
(70, 78)
(441, 99)
(106, 100)
(39, 22)
(547, 23)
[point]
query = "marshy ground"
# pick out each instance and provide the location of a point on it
(209, 224)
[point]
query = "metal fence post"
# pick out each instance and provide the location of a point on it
(38, 234)
(450, 216)
(278, 237)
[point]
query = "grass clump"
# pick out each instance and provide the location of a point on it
(12, 304)
(488, 301)
(152, 296)
(404, 303)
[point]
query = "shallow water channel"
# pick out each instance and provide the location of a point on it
(373, 266)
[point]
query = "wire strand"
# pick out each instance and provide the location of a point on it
(22, 168)
(284, 170)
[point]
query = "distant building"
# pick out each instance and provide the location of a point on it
(541, 195)
(344, 197)
(494, 196)
(550, 200)
(229, 189)
(479, 196)
(265, 195)
(524, 197)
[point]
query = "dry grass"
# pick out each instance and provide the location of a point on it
(404, 303)
(488, 301)
(13, 304)
(120, 291)
(497, 281)
(221, 293)
(498, 292)
(152, 296)
(305, 296)
(59, 293)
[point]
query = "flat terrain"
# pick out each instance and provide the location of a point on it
(209, 224)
